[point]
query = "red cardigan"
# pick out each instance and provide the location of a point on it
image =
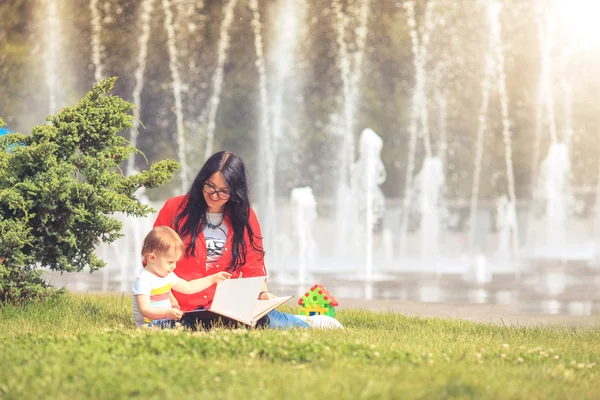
(190, 268)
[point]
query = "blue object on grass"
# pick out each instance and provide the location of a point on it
(4, 131)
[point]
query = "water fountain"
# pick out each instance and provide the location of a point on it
(351, 72)
(552, 191)
(496, 34)
(217, 80)
(555, 190)
(545, 27)
(177, 91)
(506, 224)
(367, 174)
(596, 231)
(419, 113)
(290, 14)
(481, 130)
(442, 105)
(267, 158)
(304, 216)
(52, 49)
(429, 184)
(494, 68)
(288, 25)
(479, 271)
(96, 25)
(144, 37)
(416, 244)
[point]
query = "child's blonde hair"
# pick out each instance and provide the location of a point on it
(161, 240)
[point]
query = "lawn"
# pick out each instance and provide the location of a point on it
(86, 346)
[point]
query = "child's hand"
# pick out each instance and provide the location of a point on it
(220, 276)
(175, 313)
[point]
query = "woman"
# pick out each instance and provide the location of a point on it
(220, 233)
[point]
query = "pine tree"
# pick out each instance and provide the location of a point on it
(59, 186)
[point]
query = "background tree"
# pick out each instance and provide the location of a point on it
(59, 187)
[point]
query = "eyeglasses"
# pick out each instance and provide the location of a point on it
(210, 190)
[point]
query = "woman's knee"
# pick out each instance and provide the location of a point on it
(279, 320)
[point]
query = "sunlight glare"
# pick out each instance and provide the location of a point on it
(579, 19)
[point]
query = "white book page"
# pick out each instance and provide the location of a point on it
(236, 298)
(264, 305)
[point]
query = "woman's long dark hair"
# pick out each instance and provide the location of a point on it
(191, 216)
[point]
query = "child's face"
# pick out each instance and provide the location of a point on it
(162, 264)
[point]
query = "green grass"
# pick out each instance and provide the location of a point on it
(86, 346)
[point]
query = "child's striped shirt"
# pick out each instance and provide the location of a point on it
(159, 290)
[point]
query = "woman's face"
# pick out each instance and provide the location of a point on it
(216, 193)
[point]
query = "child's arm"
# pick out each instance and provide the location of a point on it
(173, 300)
(146, 309)
(198, 285)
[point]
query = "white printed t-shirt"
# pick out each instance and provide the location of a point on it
(159, 290)
(215, 239)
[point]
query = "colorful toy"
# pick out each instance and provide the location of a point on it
(318, 301)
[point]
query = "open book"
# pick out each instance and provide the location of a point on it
(238, 299)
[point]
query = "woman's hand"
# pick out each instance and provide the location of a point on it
(266, 296)
(220, 276)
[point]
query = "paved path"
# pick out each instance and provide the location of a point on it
(486, 313)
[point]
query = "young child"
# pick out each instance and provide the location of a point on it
(151, 303)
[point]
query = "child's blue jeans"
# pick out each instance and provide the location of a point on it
(162, 323)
